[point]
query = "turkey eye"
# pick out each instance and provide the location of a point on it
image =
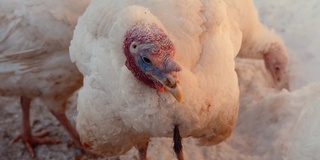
(134, 47)
(146, 60)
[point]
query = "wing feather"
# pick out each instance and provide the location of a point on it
(32, 33)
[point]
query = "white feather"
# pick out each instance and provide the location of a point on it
(257, 38)
(34, 40)
(116, 111)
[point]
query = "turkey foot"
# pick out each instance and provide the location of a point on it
(31, 141)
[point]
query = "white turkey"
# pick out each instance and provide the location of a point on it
(155, 69)
(260, 42)
(34, 59)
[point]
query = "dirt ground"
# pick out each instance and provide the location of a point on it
(41, 120)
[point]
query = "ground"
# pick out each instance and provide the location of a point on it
(41, 120)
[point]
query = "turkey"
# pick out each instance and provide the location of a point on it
(34, 59)
(155, 69)
(260, 42)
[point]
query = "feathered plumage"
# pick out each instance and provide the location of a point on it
(259, 41)
(117, 110)
(34, 60)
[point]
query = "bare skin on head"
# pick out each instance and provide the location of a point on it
(150, 58)
(276, 63)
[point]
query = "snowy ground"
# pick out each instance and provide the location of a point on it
(266, 118)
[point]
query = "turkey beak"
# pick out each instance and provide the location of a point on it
(168, 77)
(171, 84)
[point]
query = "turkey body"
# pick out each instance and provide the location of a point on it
(116, 111)
(34, 57)
(260, 42)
